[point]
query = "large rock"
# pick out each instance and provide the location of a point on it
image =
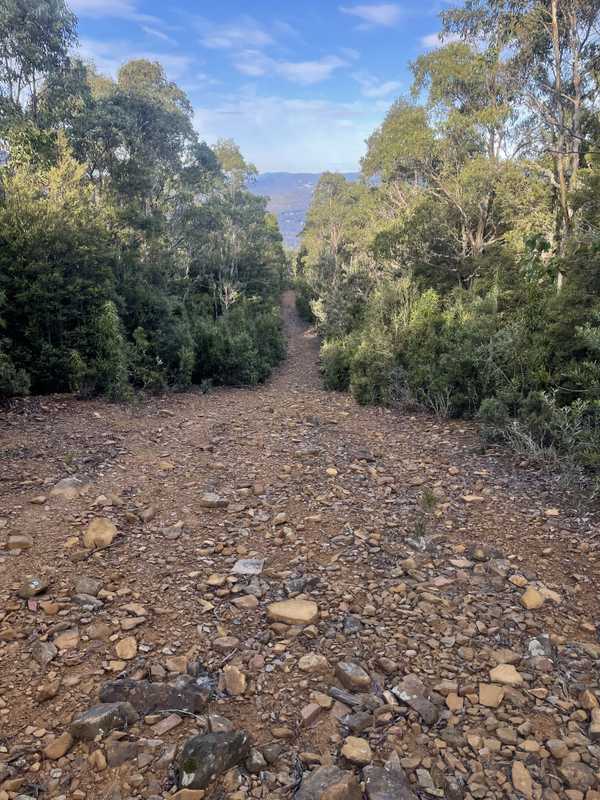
(329, 783)
(294, 612)
(102, 719)
(521, 780)
(387, 783)
(412, 692)
(357, 751)
(99, 533)
(577, 776)
(184, 694)
(203, 758)
(506, 675)
(68, 488)
(212, 500)
(352, 676)
(32, 586)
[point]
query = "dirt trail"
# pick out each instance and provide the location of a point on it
(330, 495)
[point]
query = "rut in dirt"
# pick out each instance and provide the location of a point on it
(337, 587)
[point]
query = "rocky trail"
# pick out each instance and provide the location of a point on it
(275, 593)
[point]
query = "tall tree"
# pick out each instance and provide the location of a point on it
(35, 37)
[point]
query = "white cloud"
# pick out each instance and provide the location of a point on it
(255, 64)
(246, 32)
(109, 56)
(118, 9)
(385, 14)
(375, 88)
(309, 72)
(434, 40)
(291, 134)
(158, 34)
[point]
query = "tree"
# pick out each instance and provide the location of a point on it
(35, 37)
(551, 48)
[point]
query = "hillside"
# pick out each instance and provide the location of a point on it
(290, 195)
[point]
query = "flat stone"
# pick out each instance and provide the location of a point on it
(100, 533)
(293, 612)
(387, 783)
(412, 692)
(357, 751)
(127, 648)
(491, 694)
(19, 542)
(67, 640)
(59, 747)
(577, 776)
(167, 724)
(247, 603)
(352, 676)
(89, 586)
(67, 488)
(43, 653)
(101, 719)
(313, 664)
(184, 694)
(327, 783)
(506, 674)
(206, 756)
(212, 500)
(248, 566)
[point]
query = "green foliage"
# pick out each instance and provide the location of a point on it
(131, 254)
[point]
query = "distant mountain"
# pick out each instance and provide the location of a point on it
(290, 195)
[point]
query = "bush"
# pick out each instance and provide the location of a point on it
(336, 360)
(372, 368)
(13, 382)
(241, 347)
(304, 299)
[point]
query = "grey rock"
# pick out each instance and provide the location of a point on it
(185, 693)
(387, 783)
(43, 653)
(31, 587)
(412, 692)
(248, 566)
(85, 585)
(255, 762)
(101, 719)
(359, 721)
(203, 758)
(540, 646)
(352, 676)
(120, 751)
(315, 784)
(577, 776)
(87, 601)
(352, 625)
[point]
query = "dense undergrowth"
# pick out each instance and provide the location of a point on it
(461, 273)
(132, 255)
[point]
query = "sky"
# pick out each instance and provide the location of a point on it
(298, 85)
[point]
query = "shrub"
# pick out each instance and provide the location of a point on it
(13, 382)
(336, 359)
(372, 369)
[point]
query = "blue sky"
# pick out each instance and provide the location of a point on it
(298, 85)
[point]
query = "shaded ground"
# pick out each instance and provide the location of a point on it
(348, 484)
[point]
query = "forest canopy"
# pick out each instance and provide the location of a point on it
(132, 255)
(462, 272)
